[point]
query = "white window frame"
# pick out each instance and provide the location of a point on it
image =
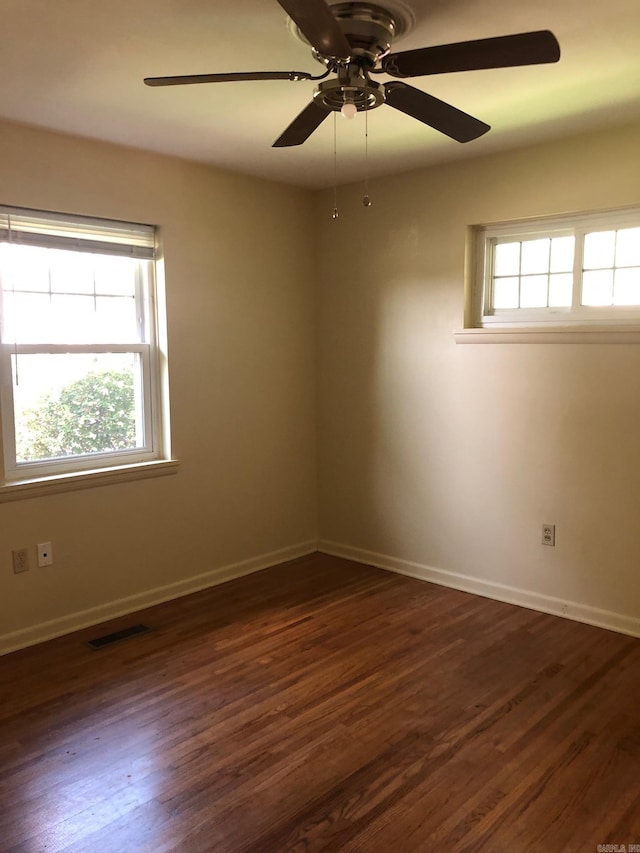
(110, 237)
(482, 316)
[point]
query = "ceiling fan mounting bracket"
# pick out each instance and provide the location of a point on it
(369, 28)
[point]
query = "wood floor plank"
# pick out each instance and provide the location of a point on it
(323, 705)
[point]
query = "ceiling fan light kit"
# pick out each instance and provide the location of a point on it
(353, 41)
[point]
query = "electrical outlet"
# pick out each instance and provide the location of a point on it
(45, 554)
(548, 534)
(20, 560)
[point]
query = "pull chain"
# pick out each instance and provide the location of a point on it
(365, 199)
(334, 215)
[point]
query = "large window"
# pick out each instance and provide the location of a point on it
(580, 270)
(78, 344)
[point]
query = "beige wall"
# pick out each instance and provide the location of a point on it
(444, 455)
(453, 456)
(242, 376)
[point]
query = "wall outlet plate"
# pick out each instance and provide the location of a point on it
(20, 560)
(548, 534)
(45, 554)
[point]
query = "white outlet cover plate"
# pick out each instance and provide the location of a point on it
(45, 554)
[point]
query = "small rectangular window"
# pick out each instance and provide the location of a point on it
(79, 386)
(566, 271)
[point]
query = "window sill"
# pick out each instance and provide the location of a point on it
(557, 335)
(41, 487)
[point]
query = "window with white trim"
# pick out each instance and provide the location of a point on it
(79, 384)
(571, 271)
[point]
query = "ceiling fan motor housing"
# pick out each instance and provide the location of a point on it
(370, 31)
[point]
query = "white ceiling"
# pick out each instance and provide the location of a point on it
(77, 66)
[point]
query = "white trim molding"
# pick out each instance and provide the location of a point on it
(540, 335)
(43, 486)
(121, 607)
(619, 622)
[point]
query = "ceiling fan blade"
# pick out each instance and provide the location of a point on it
(533, 48)
(437, 114)
(316, 22)
(302, 126)
(186, 79)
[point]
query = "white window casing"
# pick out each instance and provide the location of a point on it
(594, 295)
(115, 322)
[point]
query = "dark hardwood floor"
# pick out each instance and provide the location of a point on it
(323, 705)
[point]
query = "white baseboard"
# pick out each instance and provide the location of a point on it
(94, 615)
(489, 589)
(619, 622)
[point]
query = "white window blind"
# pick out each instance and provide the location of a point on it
(78, 234)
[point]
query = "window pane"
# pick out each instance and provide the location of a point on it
(599, 247)
(25, 316)
(562, 251)
(67, 316)
(24, 268)
(535, 256)
(115, 276)
(626, 288)
(628, 247)
(40, 318)
(505, 293)
(76, 404)
(71, 272)
(71, 319)
(118, 315)
(507, 259)
(560, 290)
(597, 287)
(533, 291)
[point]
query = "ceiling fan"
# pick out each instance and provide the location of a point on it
(353, 41)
